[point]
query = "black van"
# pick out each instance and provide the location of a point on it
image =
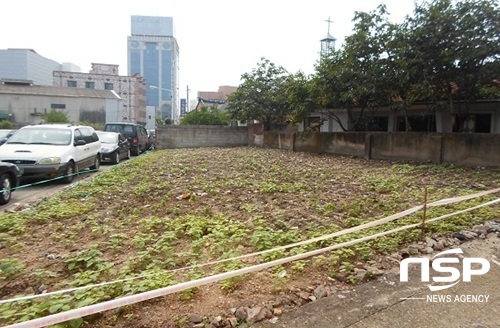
(135, 133)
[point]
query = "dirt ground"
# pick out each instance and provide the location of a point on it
(171, 209)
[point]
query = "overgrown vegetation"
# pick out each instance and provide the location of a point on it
(54, 116)
(176, 208)
(206, 116)
(5, 124)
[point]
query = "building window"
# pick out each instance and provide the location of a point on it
(313, 122)
(90, 85)
(108, 86)
(479, 123)
(59, 106)
(416, 123)
(72, 84)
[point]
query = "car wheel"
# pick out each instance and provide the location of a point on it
(69, 175)
(6, 192)
(116, 158)
(97, 163)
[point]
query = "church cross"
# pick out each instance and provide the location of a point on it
(329, 21)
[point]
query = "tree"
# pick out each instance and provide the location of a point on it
(453, 45)
(330, 88)
(447, 54)
(54, 116)
(206, 116)
(359, 74)
(300, 97)
(261, 96)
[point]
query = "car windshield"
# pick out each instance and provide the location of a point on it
(107, 137)
(41, 136)
(126, 129)
(4, 133)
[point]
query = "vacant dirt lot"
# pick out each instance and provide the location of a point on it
(176, 208)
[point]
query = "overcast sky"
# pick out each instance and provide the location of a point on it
(219, 40)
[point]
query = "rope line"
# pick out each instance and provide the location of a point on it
(305, 242)
(132, 299)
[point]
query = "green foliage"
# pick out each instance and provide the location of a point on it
(206, 116)
(85, 259)
(300, 93)
(54, 116)
(158, 278)
(4, 124)
(230, 284)
(10, 268)
(453, 60)
(159, 121)
(261, 96)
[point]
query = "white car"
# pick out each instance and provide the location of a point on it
(53, 150)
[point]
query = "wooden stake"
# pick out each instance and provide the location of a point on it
(422, 233)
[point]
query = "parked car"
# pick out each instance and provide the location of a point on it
(9, 179)
(114, 146)
(150, 140)
(135, 133)
(152, 134)
(5, 135)
(53, 150)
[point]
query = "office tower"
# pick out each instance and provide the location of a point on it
(153, 53)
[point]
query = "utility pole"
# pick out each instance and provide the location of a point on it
(187, 98)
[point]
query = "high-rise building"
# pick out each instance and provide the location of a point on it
(153, 53)
(27, 64)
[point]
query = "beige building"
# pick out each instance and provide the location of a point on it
(131, 89)
(215, 98)
(24, 103)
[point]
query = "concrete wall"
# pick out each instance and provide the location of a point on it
(193, 136)
(475, 149)
(279, 140)
(411, 146)
(346, 143)
(471, 149)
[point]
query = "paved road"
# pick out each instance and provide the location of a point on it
(385, 303)
(28, 194)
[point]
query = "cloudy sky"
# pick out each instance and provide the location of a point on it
(219, 40)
